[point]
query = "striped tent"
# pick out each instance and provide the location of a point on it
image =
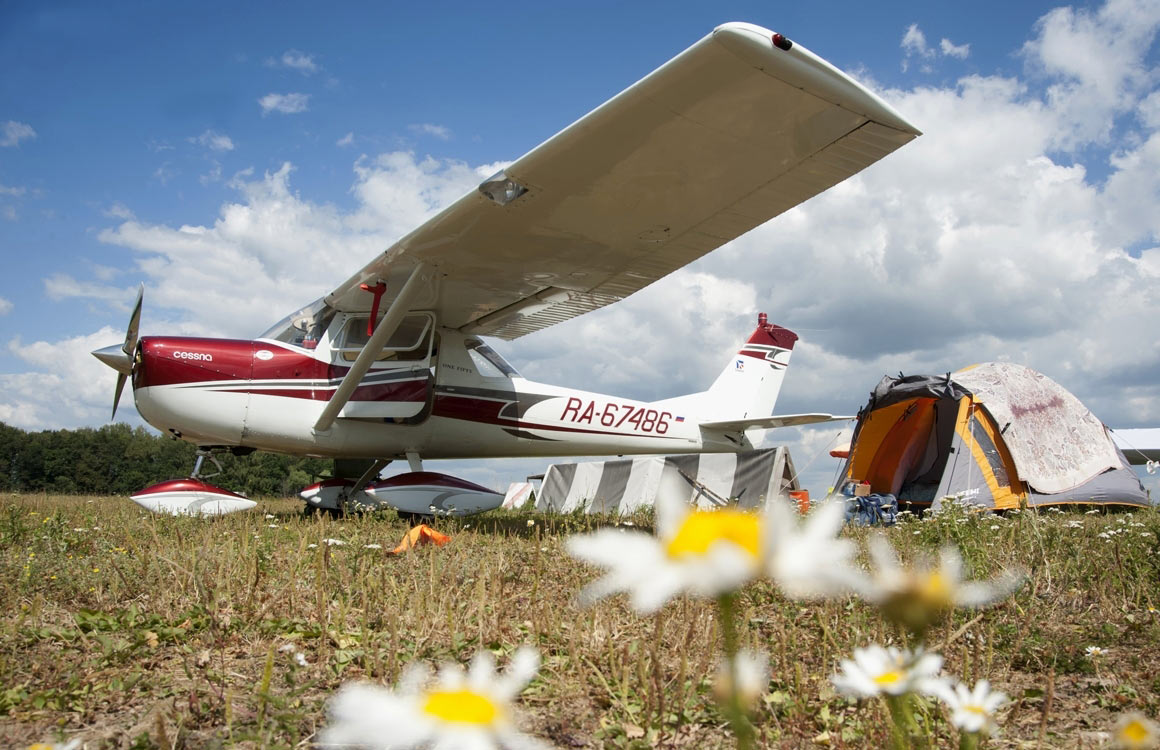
(712, 480)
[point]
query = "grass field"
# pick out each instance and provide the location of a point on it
(128, 630)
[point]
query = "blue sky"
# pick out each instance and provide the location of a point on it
(297, 138)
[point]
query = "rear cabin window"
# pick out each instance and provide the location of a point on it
(411, 341)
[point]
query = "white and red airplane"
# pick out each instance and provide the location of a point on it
(733, 131)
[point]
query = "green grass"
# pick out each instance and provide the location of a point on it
(132, 630)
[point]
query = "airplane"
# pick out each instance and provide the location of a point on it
(392, 364)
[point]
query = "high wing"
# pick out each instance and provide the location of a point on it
(725, 136)
(769, 423)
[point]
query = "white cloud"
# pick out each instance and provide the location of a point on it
(65, 387)
(346, 140)
(438, 131)
(12, 192)
(915, 46)
(214, 141)
(295, 60)
(287, 104)
(950, 49)
(914, 42)
(5, 306)
(15, 132)
(1091, 81)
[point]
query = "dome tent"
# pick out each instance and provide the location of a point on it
(995, 435)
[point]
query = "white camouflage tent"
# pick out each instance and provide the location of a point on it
(712, 480)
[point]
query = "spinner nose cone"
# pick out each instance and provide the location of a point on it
(114, 356)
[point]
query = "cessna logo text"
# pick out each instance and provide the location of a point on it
(200, 356)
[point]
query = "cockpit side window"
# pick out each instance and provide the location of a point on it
(411, 341)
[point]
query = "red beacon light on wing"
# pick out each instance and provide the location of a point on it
(781, 42)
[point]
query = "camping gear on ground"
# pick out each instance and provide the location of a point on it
(995, 435)
(711, 480)
(869, 510)
(419, 536)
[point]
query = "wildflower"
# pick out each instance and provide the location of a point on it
(810, 563)
(286, 647)
(270, 516)
(271, 526)
(460, 710)
(706, 553)
(972, 711)
(333, 542)
(372, 546)
(876, 670)
(752, 671)
(918, 598)
(1150, 610)
(531, 523)
(1135, 731)
(1095, 652)
(300, 659)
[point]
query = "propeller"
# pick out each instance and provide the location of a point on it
(120, 358)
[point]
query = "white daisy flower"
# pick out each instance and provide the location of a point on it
(919, 597)
(808, 561)
(752, 670)
(468, 711)
(1095, 652)
(876, 670)
(702, 552)
(333, 542)
(972, 711)
(1135, 731)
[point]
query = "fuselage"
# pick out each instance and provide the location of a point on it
(435, 392)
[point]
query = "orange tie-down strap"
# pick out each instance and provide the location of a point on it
(418, 536)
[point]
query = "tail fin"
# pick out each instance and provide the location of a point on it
(749, 384)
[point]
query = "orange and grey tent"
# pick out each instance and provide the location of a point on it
(995, 435)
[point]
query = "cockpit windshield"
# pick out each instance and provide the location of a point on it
(302, 328)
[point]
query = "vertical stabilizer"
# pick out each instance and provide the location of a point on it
(750, 382)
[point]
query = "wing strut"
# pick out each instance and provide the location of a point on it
(400, 306)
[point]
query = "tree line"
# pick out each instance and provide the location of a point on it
(120, 460)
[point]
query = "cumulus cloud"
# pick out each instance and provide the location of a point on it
(15, 132)
(976, 242)
(214, 141)
(346, 140)
(287, 104)
(950, 49)
(5, 306)
(438, 131)
(65, 386)
(915, 47)
(294, 60)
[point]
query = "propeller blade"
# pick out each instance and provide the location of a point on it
(121, 378)
(134, 323)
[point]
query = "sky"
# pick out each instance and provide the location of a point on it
(242, 159)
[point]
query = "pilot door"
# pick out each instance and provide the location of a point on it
(399, 384)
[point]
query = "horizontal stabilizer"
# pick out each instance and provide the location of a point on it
(769, 423)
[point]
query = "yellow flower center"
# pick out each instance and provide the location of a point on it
(892, 677)
(701, 529)
(974, 709)
(935, 590)
(1134, 731)
(461, 706)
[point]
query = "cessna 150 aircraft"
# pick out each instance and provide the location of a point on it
(735, 130)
